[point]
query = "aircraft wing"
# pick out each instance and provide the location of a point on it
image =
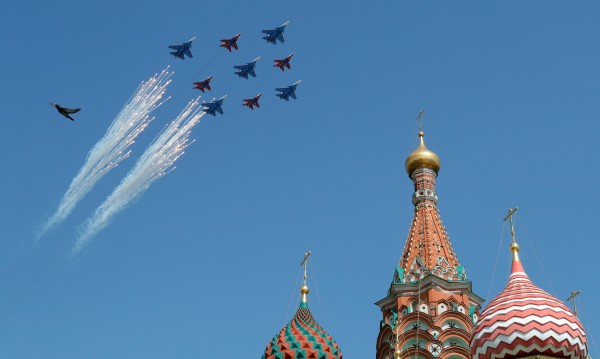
(281, 89)
(292, 94)
(176, 47)
(252, 72)
(219, 110)
(188, 52)
(280, 37)
(240, 67)
(269, 32)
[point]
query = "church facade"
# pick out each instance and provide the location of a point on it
(430, 310)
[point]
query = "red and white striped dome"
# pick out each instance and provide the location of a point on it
(525, 320)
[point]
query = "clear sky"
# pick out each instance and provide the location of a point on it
(206, 263)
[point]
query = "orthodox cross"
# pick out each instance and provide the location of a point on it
(420, 119)
(572, 297)
(304, 263)
(511, 211)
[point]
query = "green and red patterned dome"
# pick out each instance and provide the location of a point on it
(302, 338)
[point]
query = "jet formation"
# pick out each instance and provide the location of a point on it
(183, 50)
(248, 70)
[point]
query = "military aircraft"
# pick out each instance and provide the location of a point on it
(251, 102)
(287, 92)
(65, 111)
(283, 63)
(229, 43)
(275, 34)
(203, 85)
(183, 49)
(247, 69)
(214, 106)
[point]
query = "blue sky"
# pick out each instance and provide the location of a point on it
(206, 263)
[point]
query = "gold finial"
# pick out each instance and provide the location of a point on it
(397, 353)
(304, 290)
(422, 157)
(514, 247)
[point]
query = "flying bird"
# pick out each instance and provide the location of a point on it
(65, 111)
(283, 63)
(203, 85)
(251, 102)
(287, 92)
(183, 49)
(229, 43)
(275, 34)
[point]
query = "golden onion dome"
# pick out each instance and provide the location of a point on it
(422, 157)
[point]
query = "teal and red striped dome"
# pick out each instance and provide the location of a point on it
(302, 338)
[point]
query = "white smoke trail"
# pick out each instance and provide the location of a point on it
(156, 162)
(113, 147)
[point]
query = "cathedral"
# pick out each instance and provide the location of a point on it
(430, 310)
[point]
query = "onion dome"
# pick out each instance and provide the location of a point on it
(303, 337)
(422, 157)
(524, 320)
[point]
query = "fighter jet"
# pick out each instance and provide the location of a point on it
(247, 69)
(229, 43)
(214, 106)
(183, 49)
(287, 92)
(65, 111)
(251, 102)
(283, 63)
(202, 85)
(275, 34)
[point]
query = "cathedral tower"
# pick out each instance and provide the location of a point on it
(430, 309)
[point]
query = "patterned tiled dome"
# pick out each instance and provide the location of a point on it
(302, 338)
(524, 320)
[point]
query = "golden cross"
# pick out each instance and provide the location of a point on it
(511, 211)
(304, 263)
(420, 119)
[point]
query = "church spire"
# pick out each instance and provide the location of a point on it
(428, 248)
(430, 298)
